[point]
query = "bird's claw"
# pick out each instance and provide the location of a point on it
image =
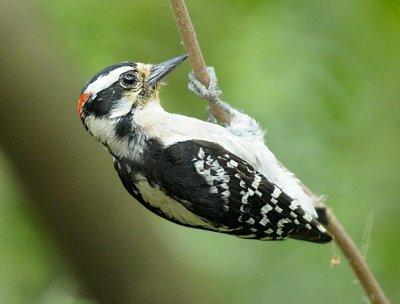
(212, 93)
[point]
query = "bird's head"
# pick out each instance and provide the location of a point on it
(118, 91)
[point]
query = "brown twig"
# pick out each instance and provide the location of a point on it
(190, 41)
(196, 58)
(342, 239)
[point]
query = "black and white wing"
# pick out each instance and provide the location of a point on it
(200, 184)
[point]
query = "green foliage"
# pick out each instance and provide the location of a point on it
(321, 76)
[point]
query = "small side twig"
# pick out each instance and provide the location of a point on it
(356, 260)
(342, 238)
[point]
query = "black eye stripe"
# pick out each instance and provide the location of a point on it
(105, 100)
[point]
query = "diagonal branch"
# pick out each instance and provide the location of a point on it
(196, 58)
(342, 238)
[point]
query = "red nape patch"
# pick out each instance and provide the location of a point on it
(82, 99)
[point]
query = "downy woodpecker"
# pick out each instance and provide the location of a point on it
(195, 173)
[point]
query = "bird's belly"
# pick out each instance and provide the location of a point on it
(169, 206)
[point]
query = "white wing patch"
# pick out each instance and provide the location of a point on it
(218, 179)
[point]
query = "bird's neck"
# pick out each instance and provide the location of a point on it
(126, 136)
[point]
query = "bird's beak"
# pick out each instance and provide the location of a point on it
(159, 71)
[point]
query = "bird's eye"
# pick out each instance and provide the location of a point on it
(128, 80)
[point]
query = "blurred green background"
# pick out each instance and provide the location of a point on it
(322, 77)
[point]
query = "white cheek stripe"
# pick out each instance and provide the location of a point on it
(106, 80)
(122, 108)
